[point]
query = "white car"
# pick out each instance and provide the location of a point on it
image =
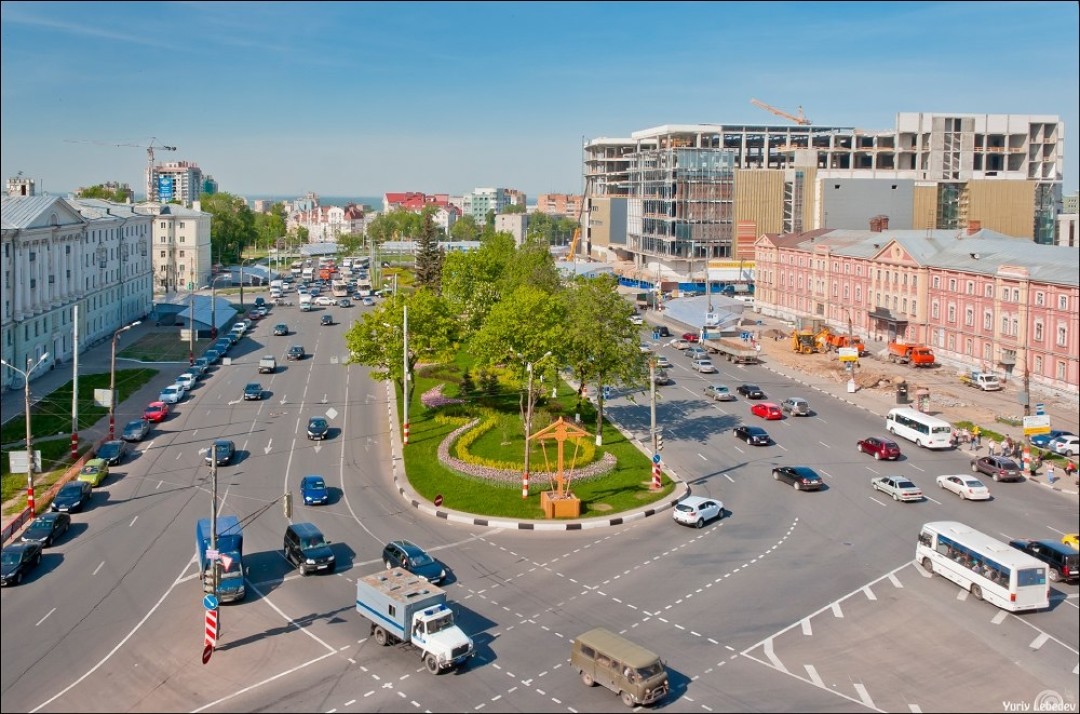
(705, 366)
(1066, 444)
(325, 300)
(899, 487)
(966, 487)
(637, 320)
(695, 510)
(663, 362)
(186, 381)
(680, 344)
(171, 394)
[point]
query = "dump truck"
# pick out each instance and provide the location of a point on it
(915, 355)
(734, 350)
(406, 609)
(229, 558)
(829, 341)
(981, 380)
(802, 341)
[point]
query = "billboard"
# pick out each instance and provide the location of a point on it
(165, 188)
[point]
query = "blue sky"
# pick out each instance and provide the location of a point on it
(357, 99)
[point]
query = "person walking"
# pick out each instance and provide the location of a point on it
(976, 436)
(1050, 473)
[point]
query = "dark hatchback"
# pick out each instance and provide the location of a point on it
(295, 352)
(17, 560)
(224, 450)
(802, 478)
(751, 391)
(46, 529)
(408, 555)
(753, 435)
(72, 496)
(112, 452)
(879, 448)
(253, 390)
(317, 428)
(999, 468)
(1064, 561)
(136, 430)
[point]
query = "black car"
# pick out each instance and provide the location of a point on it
(281, 329)
(326, 320)
(46, 529)
(253, 390)
(408, 555)
(136, 430)
(1064, 561)
(753, 435)
(295, 352)
(224, 450)
(751, 391)
(112, 451)
(317, 428)
(803, 478)
(17, 560)
(662, 331)
(72, 496)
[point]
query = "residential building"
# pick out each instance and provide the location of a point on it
(1067, 230)
(181, 246)
(445, 212)
(325, 224)
(21, 186)
(179, 181)
(688, 188)
(68, 265)
(482, 200)
(516, 224)
(568, 205)
(980, 299)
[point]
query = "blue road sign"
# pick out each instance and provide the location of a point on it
(210, 601)
(656, 458)
(1040, 409)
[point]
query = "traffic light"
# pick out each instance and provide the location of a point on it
(287, 504)
(659, 442)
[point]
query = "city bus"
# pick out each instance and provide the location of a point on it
(339, 288)
(984, 566)
(923, 429)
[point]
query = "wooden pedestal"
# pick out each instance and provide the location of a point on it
(568, 507)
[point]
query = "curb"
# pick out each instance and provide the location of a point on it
(429, 508)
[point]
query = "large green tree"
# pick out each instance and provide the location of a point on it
(116, 195)
(532, 265)
(398, 224)
(465, 228)
(471, 279)
(429, 256)
(233, 225)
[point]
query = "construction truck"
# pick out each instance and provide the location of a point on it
(406, 609)
(981, 380)
(802, 341)
(915, 355)
(829, 341)
(734, 350)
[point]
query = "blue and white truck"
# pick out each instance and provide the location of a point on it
(405, 608)
(230, 557)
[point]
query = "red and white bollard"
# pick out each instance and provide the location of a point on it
(211, 629)
(30, 498)
(656, 483)
(1027, 460)
(405, 436)
(525, 484)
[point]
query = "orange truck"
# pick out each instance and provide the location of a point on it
(915, 355)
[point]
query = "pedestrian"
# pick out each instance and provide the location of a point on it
(976, 436)
(1050, 473)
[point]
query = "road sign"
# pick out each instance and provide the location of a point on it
(656, 458)
(438, 500)
(848, 354)
(1040, 408)
(210, 601)
(1038, 424)
(207, 651)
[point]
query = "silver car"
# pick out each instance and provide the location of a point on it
(704, 366)
(719, 393)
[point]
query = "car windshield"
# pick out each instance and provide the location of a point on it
(318, 424)
(11, 557)
(420, 560)
(70, 490)
(88, 469)
(316, 484)
(972, 483)
(311, 543)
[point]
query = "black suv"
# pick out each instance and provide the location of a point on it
(305, 547)
(408, 555)
(1064, 561)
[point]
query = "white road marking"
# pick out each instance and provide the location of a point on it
(836, 611)
(814, 676)
(824, 444)
(729, 478)
(772, 656)
(1039, 641)
(806, 628)
(1000, 617)
(896, 581)
(47, 613)
(880, 503)
(864, 695)
(917, 468)
(699, 455)
(869, 593)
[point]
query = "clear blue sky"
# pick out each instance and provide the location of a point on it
(358, 99)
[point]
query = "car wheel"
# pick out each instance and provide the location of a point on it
(962, 496)
(795, 485)
(627, 698)
(974, 468)
(37, 559)
(380, 637)
(432, 664)
(928, 565)
(776, 476)
(997, 477)
(587, 679)
(976, 592)
(918, 442)
(877, 455)
(895, 497)
(388, 565)
(1054, 575)
(700, 522)
(18, 578)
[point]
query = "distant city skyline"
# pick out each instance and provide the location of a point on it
(368, 98)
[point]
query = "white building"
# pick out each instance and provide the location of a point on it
(58, 253)
(181, 246)
(516, 224)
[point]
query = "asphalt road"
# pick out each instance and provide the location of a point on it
(794, 601)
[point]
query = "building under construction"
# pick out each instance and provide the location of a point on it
(676, 194)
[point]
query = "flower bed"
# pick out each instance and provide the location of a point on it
(433, 398)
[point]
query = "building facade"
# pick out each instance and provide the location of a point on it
(980, 299)
(179, 181)
(181, 246)
(481, 200)
(69, 265)
(560, 204)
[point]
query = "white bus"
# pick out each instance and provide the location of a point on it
(923, 429)
(987, 568)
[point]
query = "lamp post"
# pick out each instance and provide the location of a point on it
(242, 264)
(191, 325)
(530, 401)
(213, 306)
(405, 371)
(112, 379)
(29, 436)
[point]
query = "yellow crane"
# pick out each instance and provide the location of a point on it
(151, 186)
(799, 118)
(571, 255)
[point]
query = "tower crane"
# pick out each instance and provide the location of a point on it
(151, 185)
(798, 117)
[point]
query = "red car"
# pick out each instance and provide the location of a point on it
(766, 410)
(156, 412)
(879, 448)
(690, 336)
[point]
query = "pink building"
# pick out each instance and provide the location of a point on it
(980, 299)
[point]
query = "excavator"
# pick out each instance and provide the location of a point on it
(802, 341)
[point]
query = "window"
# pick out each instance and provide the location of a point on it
(986, 352)
(1040, 298)
(845, 292)
(1016, 295)
(937, 282)
(969, 347)
(914, 310)
(1038, 365)
(1004, 325)
(1061, 371)
(969, 316)
(162, 239)
(858, 294)
(1062, 335)
(1038, 331)
(952, 313)
(952, 285)
(988, 291)
(970, 288)
(162, 254)
(914, 281)
(934, 311)
(181, 254)
(1063, 302)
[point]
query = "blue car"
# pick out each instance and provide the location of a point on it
(1042, 440)
(313, 490)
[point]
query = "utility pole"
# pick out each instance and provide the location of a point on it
(213, 515)
(405, 372)
(657, 481)
(75, 383)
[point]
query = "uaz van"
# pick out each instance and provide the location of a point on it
(628, 669)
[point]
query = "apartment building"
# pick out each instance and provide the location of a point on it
(481, 200)
(980, 299)
(181, 246)
(61, 253)
(179, 181)
(688, 188)
(568, 205)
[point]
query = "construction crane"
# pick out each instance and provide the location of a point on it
(151, 185)
(571, 255)
(798, 117)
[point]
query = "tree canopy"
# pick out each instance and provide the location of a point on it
(233, 226)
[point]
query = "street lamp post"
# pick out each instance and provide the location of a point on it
(242, 264)
(530, 401)
(29, 435)
(213, 306)
(405, 372)
(112, 379)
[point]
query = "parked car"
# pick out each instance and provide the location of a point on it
(17, 560)
(296, 352)
(212, 356)
(72, 496)
(661, 377)
(697, 510)
(753, 435)
(156, 412)
(94, 472)
(795, 406)
(112, 452)
(694, 352)
(966, 487)
(313, 490)
(281, 329)
(899, 487)
(704, 366)
(253, 391)
(879, 448)
(802, 478)
(1066, 445)
(719, 393)
(637, 320)
(766, 410)
(46, 529)
(223, 450)
(1064, 560)
(171, 394)
(136, 430)
(999, 468)
(662, 331)
(317, 428)
(409, 556)
(751, 391)
(202, 364)
(1041, 440)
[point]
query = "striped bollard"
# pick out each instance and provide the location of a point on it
(525, 484)
(656, 484)
(211, 629)
(405, 437)
(1027, 460)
